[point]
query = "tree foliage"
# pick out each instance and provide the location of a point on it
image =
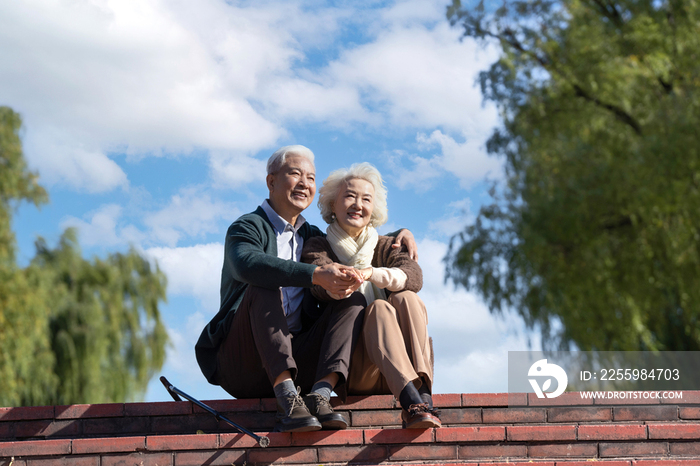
(593, 236)
(17, 183)
(71, 330)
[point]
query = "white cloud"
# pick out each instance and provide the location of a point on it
(192, 271)
(468, 161)
(154, 77)
(234, 171)
(108, 74)
(417, 76)
(455, 220)
(419, 177)
(191, 213)
(296, 100)
(64, 160)
(414, 12)
(103, 228)
(412, 72)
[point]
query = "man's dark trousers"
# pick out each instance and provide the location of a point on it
(259, 346)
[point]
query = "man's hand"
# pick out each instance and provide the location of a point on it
(405, 238)
(337, 279)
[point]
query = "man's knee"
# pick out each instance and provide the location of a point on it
(258, 295)
(263, 304)
(353, 304)
(356, 299)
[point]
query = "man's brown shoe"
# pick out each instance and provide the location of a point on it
(419, 416)
(294, 416)
(321, 408)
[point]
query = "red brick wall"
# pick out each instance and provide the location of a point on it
(477, 429)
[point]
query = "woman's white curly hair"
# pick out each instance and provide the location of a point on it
(328, 193)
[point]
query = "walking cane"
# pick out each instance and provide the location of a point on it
(174, 392)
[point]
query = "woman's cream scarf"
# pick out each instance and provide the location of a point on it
(356, 253)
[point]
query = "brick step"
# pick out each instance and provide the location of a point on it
(477, 429)
(450, 444)
(127, 419)
(480, 445)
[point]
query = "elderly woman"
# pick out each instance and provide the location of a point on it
(393, 354)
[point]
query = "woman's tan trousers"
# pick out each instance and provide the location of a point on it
(394, 347)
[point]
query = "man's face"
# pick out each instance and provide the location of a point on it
(293, 187)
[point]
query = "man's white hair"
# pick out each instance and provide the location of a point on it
(328, 193)
(276, 160)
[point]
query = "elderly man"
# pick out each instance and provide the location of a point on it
(268, 333)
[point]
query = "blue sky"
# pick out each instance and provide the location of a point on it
(150, 122)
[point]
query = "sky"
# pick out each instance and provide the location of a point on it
(150, 122)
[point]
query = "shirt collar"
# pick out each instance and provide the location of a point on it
(278, 222)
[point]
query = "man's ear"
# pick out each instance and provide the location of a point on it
(270, 180)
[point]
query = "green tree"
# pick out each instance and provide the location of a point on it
(17, 183)
(593, 236)
(71, 330)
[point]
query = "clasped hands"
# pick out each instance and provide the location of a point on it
(340, 281)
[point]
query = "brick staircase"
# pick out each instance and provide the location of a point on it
(478, 429)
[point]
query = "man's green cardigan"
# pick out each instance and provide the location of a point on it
(250, 258)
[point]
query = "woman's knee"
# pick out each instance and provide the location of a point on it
(380, 311)
(402, 297)
(408, 304)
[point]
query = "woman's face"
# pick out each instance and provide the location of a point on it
(353, 206)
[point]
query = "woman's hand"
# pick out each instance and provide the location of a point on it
(366, 274)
